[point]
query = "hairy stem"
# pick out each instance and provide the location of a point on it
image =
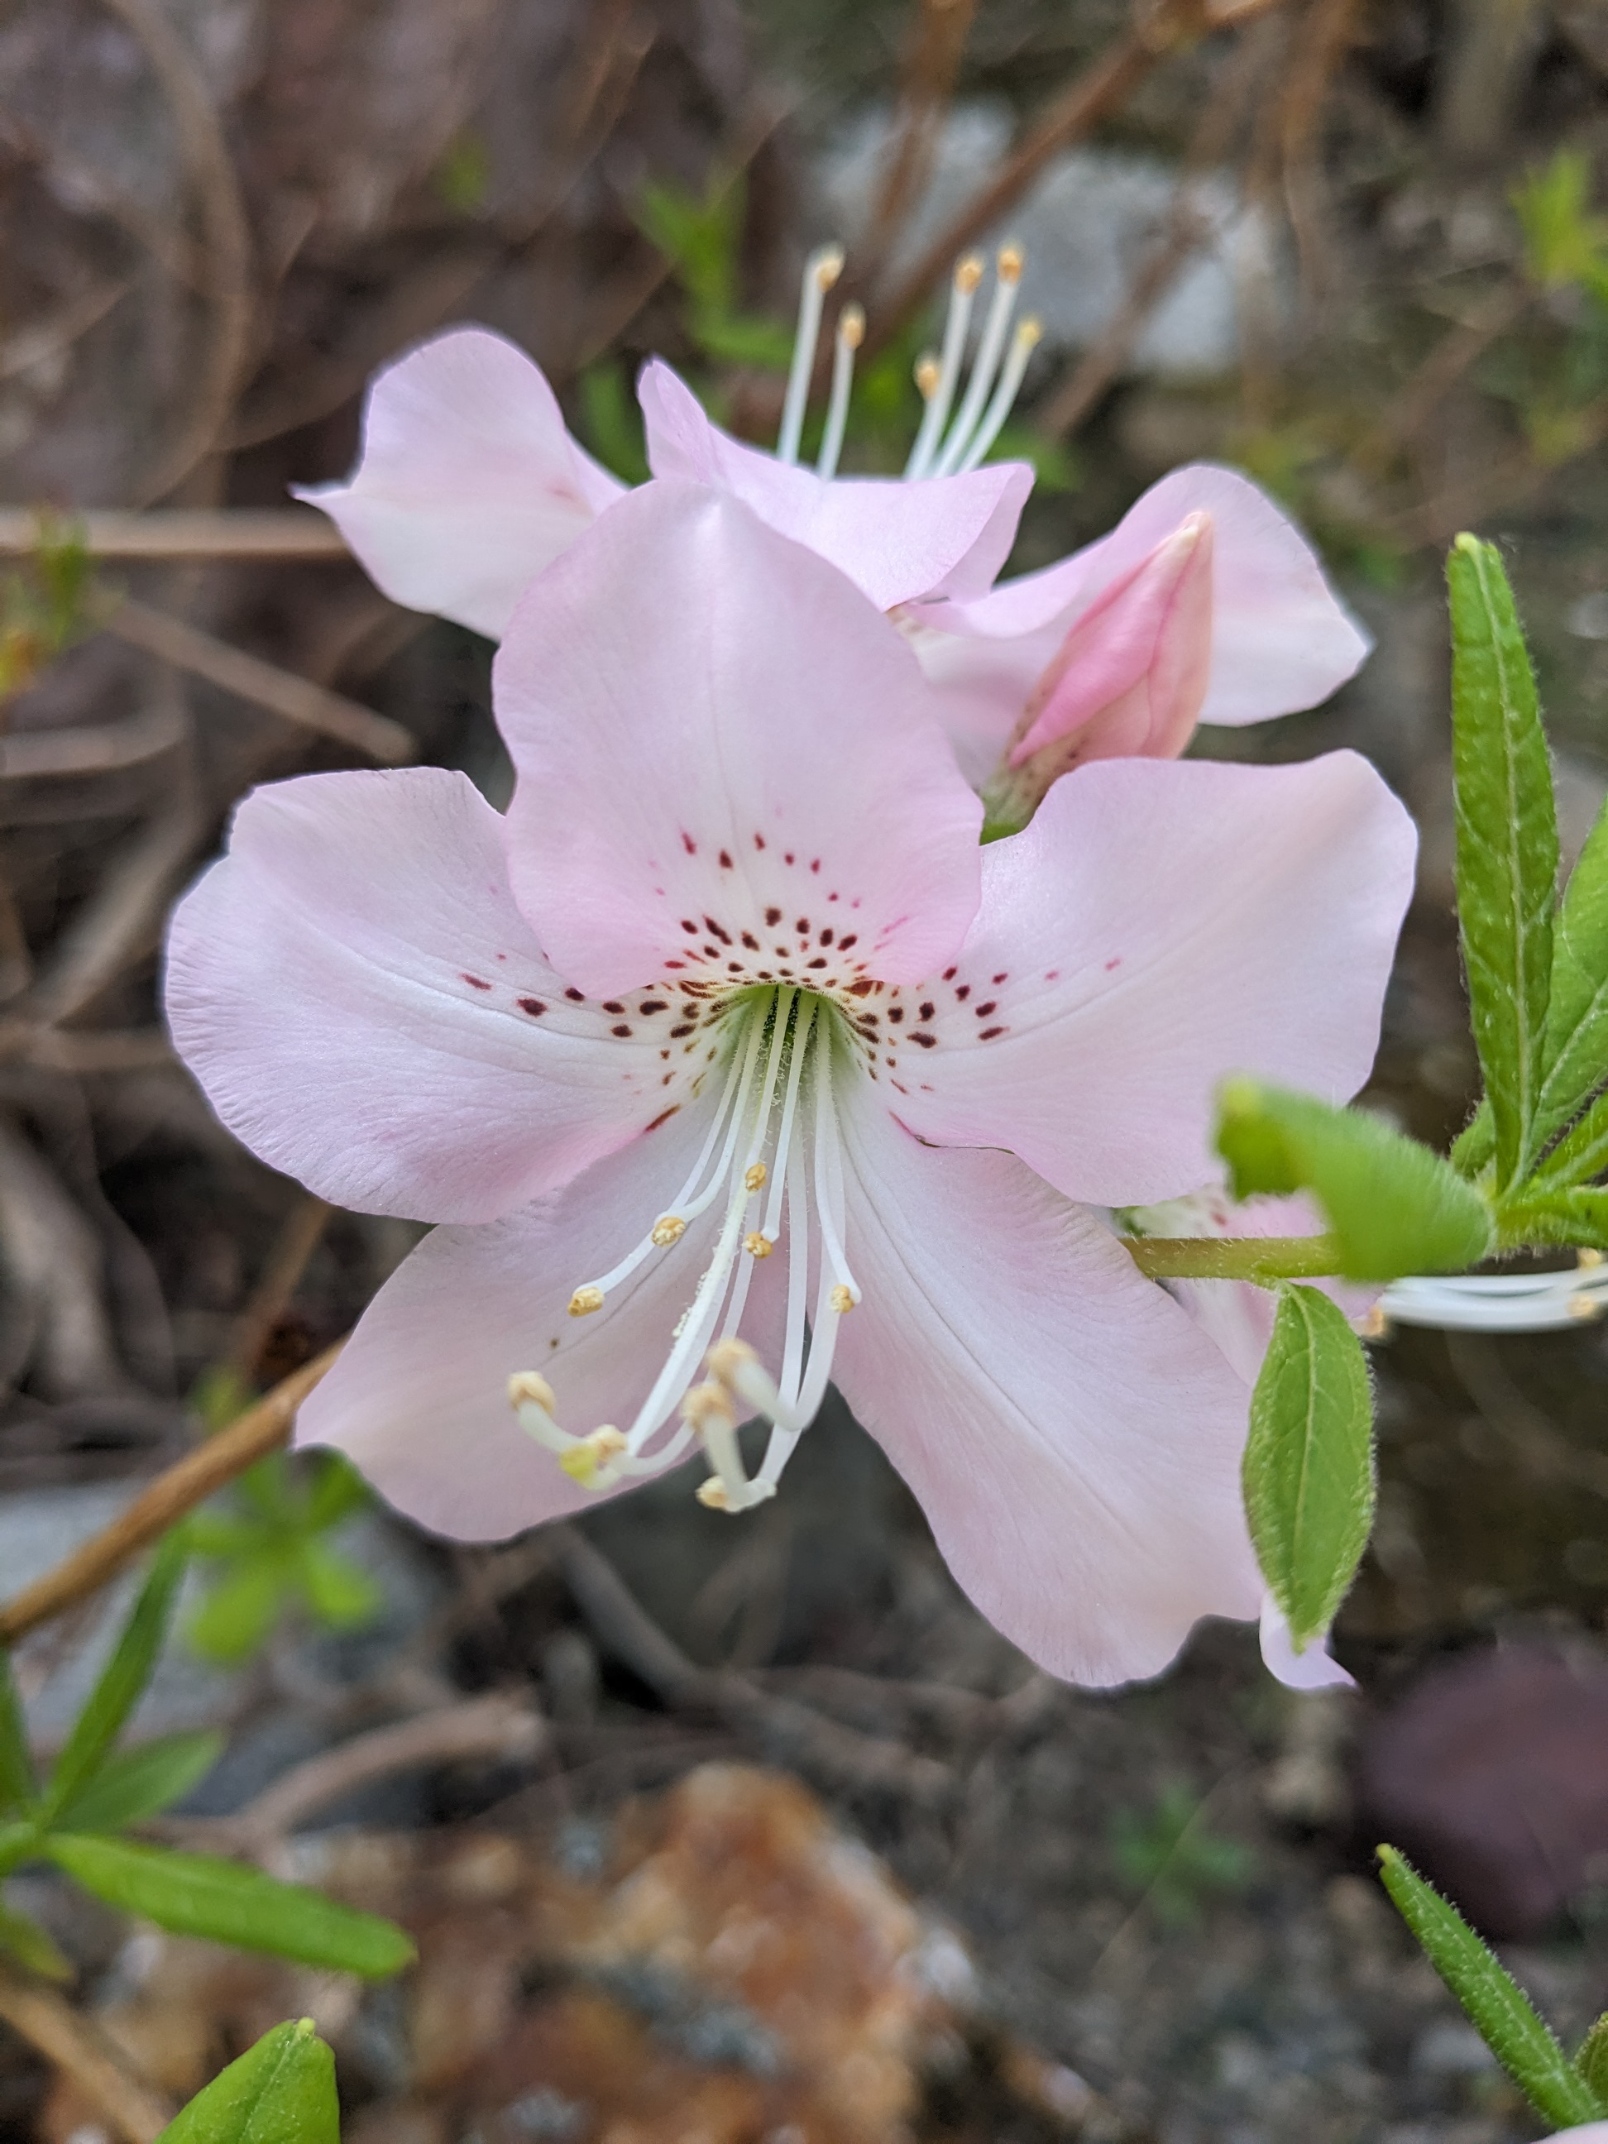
(1254, 1258)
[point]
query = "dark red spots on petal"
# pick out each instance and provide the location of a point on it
(686, 1027)
(788, 858)
(802, 926)
(649, 1006)
(962, 992)
(862, 989)
(623, 1030)
(725, 859)
(716, 931)
(773, 916)
(759, 841)
(750, 941)
(989, 1005)
(476, 982)
(689, 844)
(849, 938)
(612, 1005)
(688, 925)
(826, 935)
(819, 963)
(663, 1117)
(1052, 975)
(1114, 962)
(896, 1013)
(928, 1010)
(816, 864)
(989, 1033)
(927, 1041)
(1003, 976)
(576, 997)
(950, 974)
(533, 1006)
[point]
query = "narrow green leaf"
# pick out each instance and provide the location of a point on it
(1591, 2061)
(1394, 1206)
(339, 1592)
(1579, 1155)
(234, 1618)
(136, 1783)
(197, 1895)
(123, 1679)
(1505, 2018)
(23, 1939)
(282, 2091)
(1308, 1472)
(1507, 846)
(17, 1786)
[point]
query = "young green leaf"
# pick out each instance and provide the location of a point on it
(282, 2091)
(1393, 1206)
(1579, 1155)
(122, 1680)
(18, 1843)
(1591, 2060)
(340, 1593)
(1577, 1012)
(16, 1768)
(1308, 1471)
(137, 1783)
(1507, 846)
(1505, 2018)
(197, 1895)
(23, 1939)
(231, 1620)
(1578, 1216)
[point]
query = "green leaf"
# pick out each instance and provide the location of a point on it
(1308, 1472)
(23, 1939)
(1578, 1217)
(239, 1612)
(1505, 2018)
(1579, 1155)
(1591, 2062)
(123, 1679)
(1577, 1014)
(282, 2091)
(136, 1783)
(337, 1490)
(1507, 846)
(18, 1842)
(339, 1592)
(17, 1785)
(197, 1895)
(1394, 1206)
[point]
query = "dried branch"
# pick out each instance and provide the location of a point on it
(248, 677)
(99, 2068)
(180, 533)
(200, 1474)
(51, 1259)
(934, 61)
(783, 1729)
(93, 747)
(300, 1236)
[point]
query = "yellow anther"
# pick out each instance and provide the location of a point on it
(757, 1245)
(1373, 1324)
(1583, 1259)
(584, 1301)
(586, 1459)
(828, 268)
(1030, 332)
(755, 1176)
(729, 1356)
(851, 326)
(712, 1494)
(842, 1299)
(969, 273)
(530, 1387)
(706, 1404)
(1008, 264)
(1584, 1307)
(928, 373)
(670, 1228)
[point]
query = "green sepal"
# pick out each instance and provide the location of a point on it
(1393, 1206)
(282, 2091)
(1507, 847)
(33, 1947)
(137, 1783)
(1308, 1471)
(227, 1902)
(1500, 2011)
(123, 1680)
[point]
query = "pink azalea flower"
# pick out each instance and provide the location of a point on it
(1204, 604)
(731, 1062)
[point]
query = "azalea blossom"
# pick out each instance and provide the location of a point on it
(1204, 604)
(731, 1063)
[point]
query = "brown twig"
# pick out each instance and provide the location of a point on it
(784, 1729)
(177, 534)
(228, 245)
(200, 1474)
(92, 747)
(934, 61)
(99, 2068)
(1104, 85)
(300, 1236)
(248, 677)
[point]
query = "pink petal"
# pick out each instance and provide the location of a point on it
(947, 537)
(729, 765)
(366, 1008)
(1315, 1668)
(419, 1397)
(1074, 1440)
(1159, 925)
(1281, 640)
(467, 484)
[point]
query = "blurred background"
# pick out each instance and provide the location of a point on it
(759, 1833)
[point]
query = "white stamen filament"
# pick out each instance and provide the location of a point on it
(850, 335)
(821, 271)
(1023, 343)
(766, 1159)
(962, 290)
(986, 364)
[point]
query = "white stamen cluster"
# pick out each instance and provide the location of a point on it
(1498, 1302)
(773, 1155)
(942, 448)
